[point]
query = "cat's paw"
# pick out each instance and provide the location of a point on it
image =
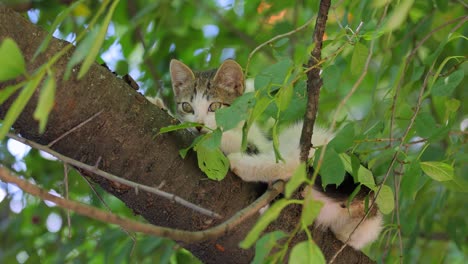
(235, 162)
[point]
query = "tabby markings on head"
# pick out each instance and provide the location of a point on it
(199, 94)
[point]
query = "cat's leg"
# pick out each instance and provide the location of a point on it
(367, 232)
(261, 167)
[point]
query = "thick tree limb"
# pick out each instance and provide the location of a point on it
(123, 139)
(115, 179)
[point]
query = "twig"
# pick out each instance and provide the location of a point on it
(73, 129)
(314, 82)
(108, 209)
(65, 173)
(407, 61)
(274, 39)
(112, 177)
(392, 163)
(340, 106)
(335, 117)
(132, 225)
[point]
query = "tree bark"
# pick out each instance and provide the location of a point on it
(125, 141)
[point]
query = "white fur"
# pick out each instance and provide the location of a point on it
(200, 113)
(158, 102)
(263, 167)
(342, 221)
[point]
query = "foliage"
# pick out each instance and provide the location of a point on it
(404, 116)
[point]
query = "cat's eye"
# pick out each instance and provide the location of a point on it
(215, 106)
(187, 108)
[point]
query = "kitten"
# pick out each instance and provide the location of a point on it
(199, 94)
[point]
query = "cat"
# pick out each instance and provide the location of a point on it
(199, 94)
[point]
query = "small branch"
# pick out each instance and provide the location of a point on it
(65, 173)
(73, 129)
(275, 38)
(314, 82)
(342, 103)
(114, 178)
(392, 163)
(107, 208)
(408, 60)
(132, 225)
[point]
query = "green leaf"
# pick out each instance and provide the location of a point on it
(230, 117)
(18, 105)
(213, 139)
(398, 15)
(358, 60)
(306, 252)
(359, 172)
(81, 51)
(260, 105)
(12, 62)
(178, 127)
(276, 142)
(284, 97)
(425, 125)
(93, 52)
(445, 86)
(411, 181)
(374, 129)
(7, 92)
(353, 195)
(62, 16)
(331, 78)
(344, 139)
(310, 211)
(438, 171)
(270, 215)
(452, 105)
(46, 102)
(441, 4)
(211, 161)
(332, 169)
(265, 244)
(299, 176)
(273, 75)
(385, 200)
(183, 152)
(459, 184)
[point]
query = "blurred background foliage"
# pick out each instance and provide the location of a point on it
(144, 36)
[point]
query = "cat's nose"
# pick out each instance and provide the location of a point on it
(199, 128)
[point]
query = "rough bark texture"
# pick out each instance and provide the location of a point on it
(124, 139)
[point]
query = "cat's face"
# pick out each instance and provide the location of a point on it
(199, 94)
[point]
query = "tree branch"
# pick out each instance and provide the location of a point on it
(109, 176)
(275, 38)
(123, 139)
(314, 82)
(132, 225)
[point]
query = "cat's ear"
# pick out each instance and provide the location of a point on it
(181, 76)
(230, 77)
